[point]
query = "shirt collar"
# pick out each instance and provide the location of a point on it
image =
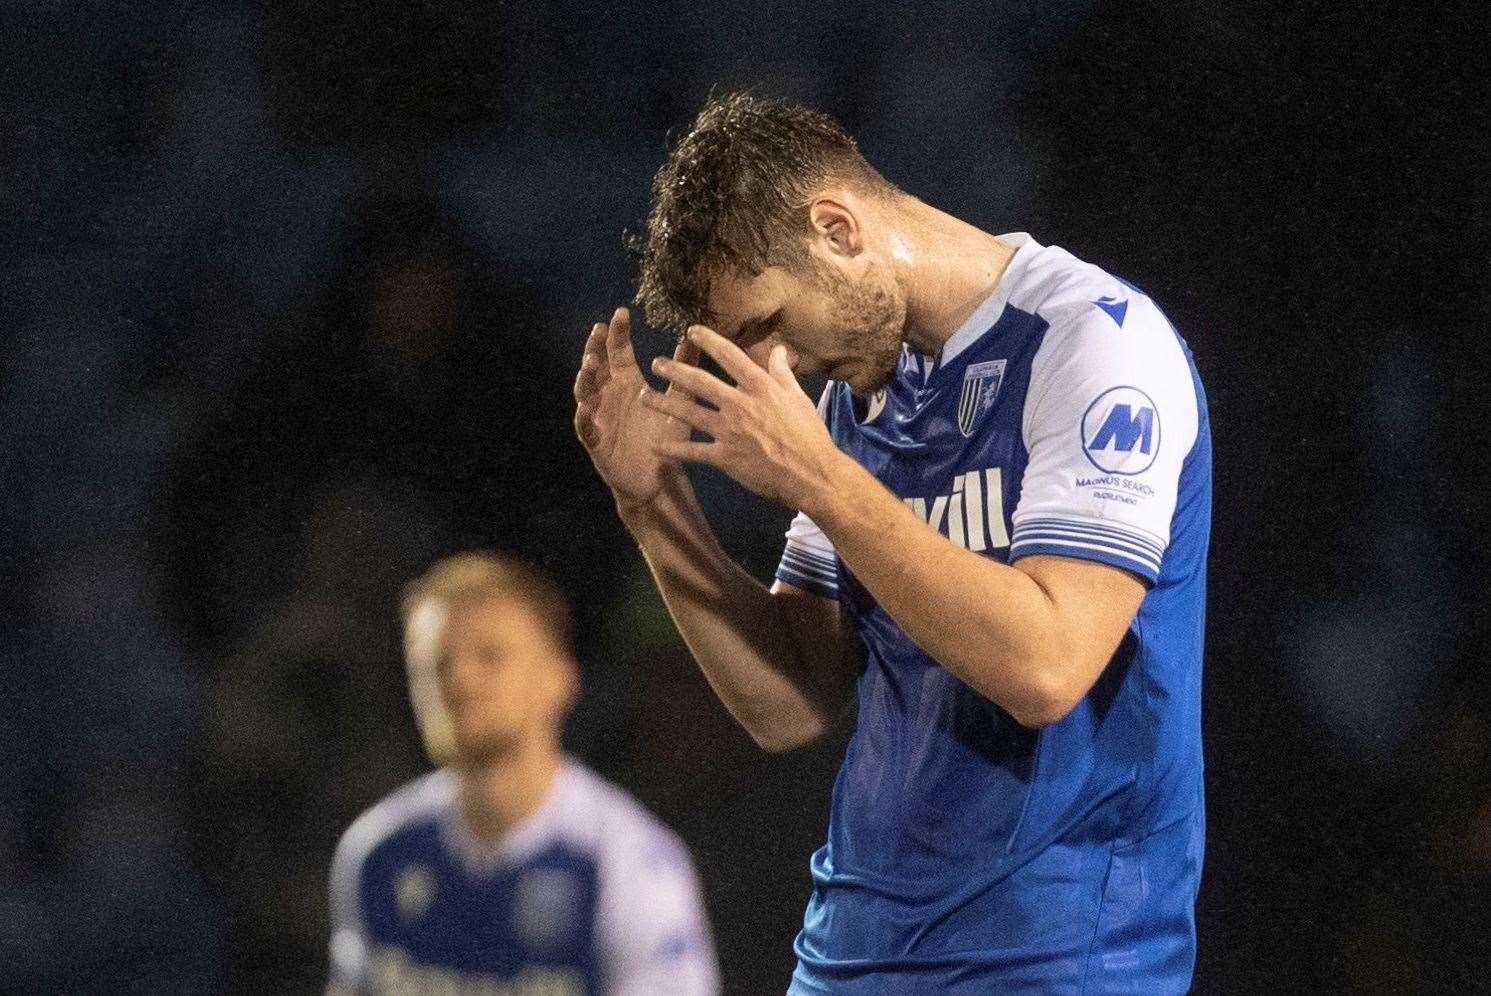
(987, 313)
(527, 838)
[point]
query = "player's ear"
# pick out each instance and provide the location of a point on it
(835, 224)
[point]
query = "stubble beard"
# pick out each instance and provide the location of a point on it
(485, 748)
(873, 320)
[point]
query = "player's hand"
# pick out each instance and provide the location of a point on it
(618, 431)
(764, 431)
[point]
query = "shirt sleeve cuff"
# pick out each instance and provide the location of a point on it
(1090, 539)
(810, 571)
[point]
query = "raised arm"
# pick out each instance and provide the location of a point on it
(1032, 637)
(776, 657)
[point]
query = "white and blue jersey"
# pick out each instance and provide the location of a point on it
(590, 894)
(965, 853)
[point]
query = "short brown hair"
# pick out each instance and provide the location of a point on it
(492, 573)
(731, 197)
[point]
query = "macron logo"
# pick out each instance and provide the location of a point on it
(1115, 307)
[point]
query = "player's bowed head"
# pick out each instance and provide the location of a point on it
(769, 229)
(768, 226)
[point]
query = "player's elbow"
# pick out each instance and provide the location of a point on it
(1047, 699)
(1035, 716)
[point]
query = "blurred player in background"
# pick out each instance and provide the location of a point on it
(512, 869)
(1004, 501)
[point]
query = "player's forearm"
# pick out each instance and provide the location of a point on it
(731, 623)
(991, 625)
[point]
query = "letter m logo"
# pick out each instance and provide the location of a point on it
(1123, 428)
(1121, 431)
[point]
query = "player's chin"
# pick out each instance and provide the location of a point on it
(483, 746)
(865, 381)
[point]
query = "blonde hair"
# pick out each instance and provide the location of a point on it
(495, 574)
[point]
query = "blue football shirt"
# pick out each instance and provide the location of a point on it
(590, 894)
(965, 853)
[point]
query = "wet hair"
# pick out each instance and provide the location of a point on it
(493, 574)
(732, 198)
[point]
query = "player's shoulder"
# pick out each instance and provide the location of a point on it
(1097, 321)
(1079, 299)
(601, 817)
(413, 804)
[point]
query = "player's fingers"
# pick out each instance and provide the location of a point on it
(595, 342)
(687, 351)
(779, 368)
(619, 340)
(691, 452)
(595, 366)
(678, 405)
(690, 379)
(589, 378)
(731, 358)
(585, 426)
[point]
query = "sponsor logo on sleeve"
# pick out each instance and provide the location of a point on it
(1121, 431)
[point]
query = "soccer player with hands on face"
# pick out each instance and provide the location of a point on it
(1003, 507)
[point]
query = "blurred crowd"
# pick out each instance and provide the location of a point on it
(294, 295)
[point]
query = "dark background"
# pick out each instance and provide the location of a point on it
(293, 294)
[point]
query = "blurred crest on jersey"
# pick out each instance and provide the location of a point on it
(414, 891)
(981, 383)
(543, 907)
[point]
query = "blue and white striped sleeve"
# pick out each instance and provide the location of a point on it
(1109, 418)
(808, 560)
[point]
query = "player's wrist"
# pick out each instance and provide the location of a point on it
(662, 504)
(822, 498)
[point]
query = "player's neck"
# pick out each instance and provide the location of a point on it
(497, 796)
(948, 268)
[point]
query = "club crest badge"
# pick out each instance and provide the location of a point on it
(544, 908)
(981, 383)
(414, 891)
